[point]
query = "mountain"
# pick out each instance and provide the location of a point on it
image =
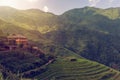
(7, 28)
(93, 18)
(32, 19)
(84, 33)
(90, 34)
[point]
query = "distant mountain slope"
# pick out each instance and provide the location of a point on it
(32, 19)
(89, 34)
(93, 45)
(111, 13)
(7, 28)
(92, 18)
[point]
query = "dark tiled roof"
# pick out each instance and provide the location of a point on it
(16, 36)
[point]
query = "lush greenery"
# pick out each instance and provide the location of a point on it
(88, 32)
(78, 69)
(22, 63)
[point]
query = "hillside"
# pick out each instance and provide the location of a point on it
(63, 68)
(81, 69)
(32, 19)
(89, 34)
(93, 19)
(93, 45)
(21, 63)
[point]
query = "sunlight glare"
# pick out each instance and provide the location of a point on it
(45, 9)
(32, 0)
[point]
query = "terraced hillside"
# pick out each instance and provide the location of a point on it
(80, 69)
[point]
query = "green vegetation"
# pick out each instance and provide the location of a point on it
(82, 69)
(89, 33)
(32, 19)
(16, 64)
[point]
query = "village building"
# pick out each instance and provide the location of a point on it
(17, 41)
(3, 42)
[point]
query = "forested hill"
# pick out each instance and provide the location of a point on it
(90, 32)
(102, 20)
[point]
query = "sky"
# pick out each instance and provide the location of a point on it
(58, 6)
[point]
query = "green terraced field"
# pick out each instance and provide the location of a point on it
(82, 69)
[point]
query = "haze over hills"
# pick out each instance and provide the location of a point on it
(89, 32)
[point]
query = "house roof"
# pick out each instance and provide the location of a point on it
(16, 36)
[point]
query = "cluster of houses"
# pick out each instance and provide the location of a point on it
(14, 41)
(18, 42)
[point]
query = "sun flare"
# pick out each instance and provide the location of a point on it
(32, 0)
(45, 9)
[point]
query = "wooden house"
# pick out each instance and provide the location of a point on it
(17, 41)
